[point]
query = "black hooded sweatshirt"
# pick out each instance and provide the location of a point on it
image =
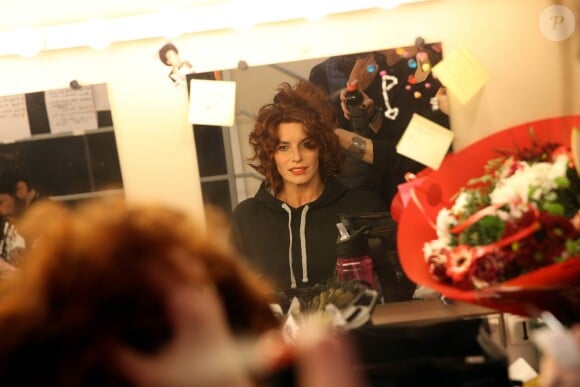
(295, 247)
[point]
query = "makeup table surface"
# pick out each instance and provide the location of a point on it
(426, 311)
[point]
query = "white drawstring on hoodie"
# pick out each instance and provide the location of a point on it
(302, 244)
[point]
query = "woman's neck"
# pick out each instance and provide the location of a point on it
(296, 195)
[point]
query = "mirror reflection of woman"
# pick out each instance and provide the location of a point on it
(288, 229)
(26, 192)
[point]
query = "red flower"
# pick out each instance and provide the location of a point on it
(487, 270)
(535, 253)
(438, 266)
(557, 227)
(459, 262)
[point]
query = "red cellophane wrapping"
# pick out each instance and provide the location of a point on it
(555, 288)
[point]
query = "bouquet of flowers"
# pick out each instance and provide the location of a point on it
(508, 237)
(522, 214)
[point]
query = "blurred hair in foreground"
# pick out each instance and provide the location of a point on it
(99, 277)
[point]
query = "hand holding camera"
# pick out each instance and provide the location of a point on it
(360, 110)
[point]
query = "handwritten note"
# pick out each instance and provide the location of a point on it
(100, 97)
(212, 102)
(462, 74)
(425, 141)
(13, 117)
(70, 110)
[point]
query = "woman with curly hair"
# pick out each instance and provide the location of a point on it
(288, 230)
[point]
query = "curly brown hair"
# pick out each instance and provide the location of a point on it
(89, 285)
(307, 104)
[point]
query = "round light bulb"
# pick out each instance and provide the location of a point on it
(99, 33)
(29, 41)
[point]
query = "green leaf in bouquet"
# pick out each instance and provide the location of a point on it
(553, 208)
(476, 200)
(562, 182)
(572, 247)
(488, 230)
(570, 197)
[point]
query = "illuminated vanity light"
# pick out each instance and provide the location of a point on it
(315, 10)
(170, 23)
(388, 4)
(243, 25)
(27, 41)
(62, 36)
(98, 33)
(315, 14)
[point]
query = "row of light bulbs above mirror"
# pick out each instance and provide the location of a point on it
(99, 33)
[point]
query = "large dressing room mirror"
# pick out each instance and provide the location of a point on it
(60, 142)
(398, 79)
(408, 83)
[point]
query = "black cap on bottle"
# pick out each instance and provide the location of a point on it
(355, 246)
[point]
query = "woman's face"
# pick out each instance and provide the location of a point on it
(21, 190)
(7, 204)
(296, 156)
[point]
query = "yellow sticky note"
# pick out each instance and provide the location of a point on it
(212, 102)
(425, 141)
(461, 74)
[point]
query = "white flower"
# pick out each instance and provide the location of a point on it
(503, 215)
(461, 203)
(533, 182)
(559, 166)
(434, 247)
(445, 221)
(513, 188)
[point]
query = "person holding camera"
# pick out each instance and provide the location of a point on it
(393, 86)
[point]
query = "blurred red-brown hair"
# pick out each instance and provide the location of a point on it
(86, 285)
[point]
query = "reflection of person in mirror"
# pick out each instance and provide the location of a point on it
(169, 55)
(26, 191)
(12, 244)
(118, 295)
(288, 229)
(397, 84)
